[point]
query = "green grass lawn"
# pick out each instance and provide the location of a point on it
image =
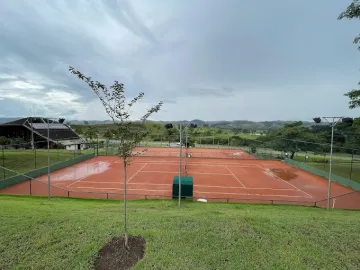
(312, 157)
(67, 233)
(341, 169)
(22, 161)
(337, 157)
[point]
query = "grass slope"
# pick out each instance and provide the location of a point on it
(66, 233)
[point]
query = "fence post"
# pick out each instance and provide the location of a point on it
(68, 193)
(34, 149)
(351, 163)
(107, 195)
(272, 201)
(30, 186)
(3, 160)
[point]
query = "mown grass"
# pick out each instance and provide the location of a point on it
(337, 157)
(341, 169)
(22, 161)
(67, 233)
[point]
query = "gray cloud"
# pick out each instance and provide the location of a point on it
(248, 59)
(203, 91)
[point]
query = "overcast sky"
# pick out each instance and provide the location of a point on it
(206, 59)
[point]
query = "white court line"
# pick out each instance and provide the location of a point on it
(234, 176)
(298, 189)
(188, 172)
(259, 188)
(128, 189)
(120, 183)
(80, 178)
(251, 194)
(200, 163)
(146, 183)
(200, 186)
(77, 181)
(167, 190)
(136, 173)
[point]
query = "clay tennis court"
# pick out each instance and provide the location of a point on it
(216, 179)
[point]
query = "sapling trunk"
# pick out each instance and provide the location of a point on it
(125, 210)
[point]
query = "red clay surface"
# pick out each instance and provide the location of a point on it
(199, 153)
(216, 179)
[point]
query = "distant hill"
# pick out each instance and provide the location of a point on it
(8, 119)
(236, 124)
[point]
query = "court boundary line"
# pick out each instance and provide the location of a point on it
(201, 186)
(136, 173)
(132, 183)
(194, 163)
(234, 176)
(250, 194)
(206, 192)
(96, 162)
(67, 186)
(274, 175)
(121, 189)
(278, 189)
(188, 173)
(198, 163)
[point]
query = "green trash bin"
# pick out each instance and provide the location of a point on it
(187, 187)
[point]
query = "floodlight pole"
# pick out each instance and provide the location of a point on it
(32, 134)
(334, 121)
(180, 128)
(179, 204)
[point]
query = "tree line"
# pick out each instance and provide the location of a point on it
(292, 137)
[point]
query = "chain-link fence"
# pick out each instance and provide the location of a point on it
(22, 158)
(346, 165)
(34, 187)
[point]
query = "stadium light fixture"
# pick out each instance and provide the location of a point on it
(332, 121)
(180, 128)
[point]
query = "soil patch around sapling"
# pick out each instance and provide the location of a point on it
(115, 256)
